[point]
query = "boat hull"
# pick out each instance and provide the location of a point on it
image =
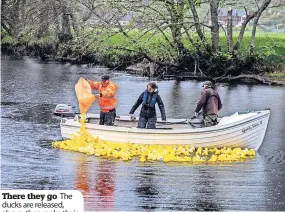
(245, 133)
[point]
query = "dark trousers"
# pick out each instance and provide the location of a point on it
(148, 123)
(107, 118)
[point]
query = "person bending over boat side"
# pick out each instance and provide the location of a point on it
(106, 99)
(211, 103)
(148, 99)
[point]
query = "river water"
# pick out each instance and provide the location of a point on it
(30, 91)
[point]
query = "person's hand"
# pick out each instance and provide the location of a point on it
(97, 95)
(132, 116)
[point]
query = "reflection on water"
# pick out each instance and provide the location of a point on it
(146, 188)
(208, 204)
(30, 91)
(82, 178)
(103, 187)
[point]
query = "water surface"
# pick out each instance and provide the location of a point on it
(30, 91)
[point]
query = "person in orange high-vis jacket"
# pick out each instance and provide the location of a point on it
(106, 99)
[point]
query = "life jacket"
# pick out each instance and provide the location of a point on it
(153, 98)
(108, 99)
(213, 103)
(209, 95)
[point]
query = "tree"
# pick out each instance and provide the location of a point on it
(11, 18)
(190, 29)
(214, 5)
(255, 22)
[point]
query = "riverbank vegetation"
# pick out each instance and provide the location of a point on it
(180, 38)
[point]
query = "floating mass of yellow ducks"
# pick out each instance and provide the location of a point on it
(86, 143)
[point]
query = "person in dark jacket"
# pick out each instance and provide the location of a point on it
(148, 99)
(211, 103)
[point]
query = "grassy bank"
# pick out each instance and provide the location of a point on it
(280, 76)
(112, 47)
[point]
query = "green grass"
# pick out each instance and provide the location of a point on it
(6, 38)
(115, 47)
(277, 74)
(268, 46)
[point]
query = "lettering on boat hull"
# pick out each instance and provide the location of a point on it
(251, 127)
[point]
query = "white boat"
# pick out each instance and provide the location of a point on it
(245, 130)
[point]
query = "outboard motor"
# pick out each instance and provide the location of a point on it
(64, 110)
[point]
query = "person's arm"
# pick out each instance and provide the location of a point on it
(220, 105)
(201, 102)
(161, 108)
(110, 91)
(94, 85)
(137, 104)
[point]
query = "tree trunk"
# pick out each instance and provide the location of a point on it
(44, 24)
(243, 26)
(87, 15)
(255, 22)
(198, 25)
(23, 9)
(214, 5)
(195, 44)
(74, 22)
(10, 17)
(175, 11)
(15, 15)
(65, 24)
(230, 31)
(7, 29)
(57, 23)
(247, 77)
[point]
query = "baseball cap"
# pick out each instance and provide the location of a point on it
(207, 83)
(105, 77)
